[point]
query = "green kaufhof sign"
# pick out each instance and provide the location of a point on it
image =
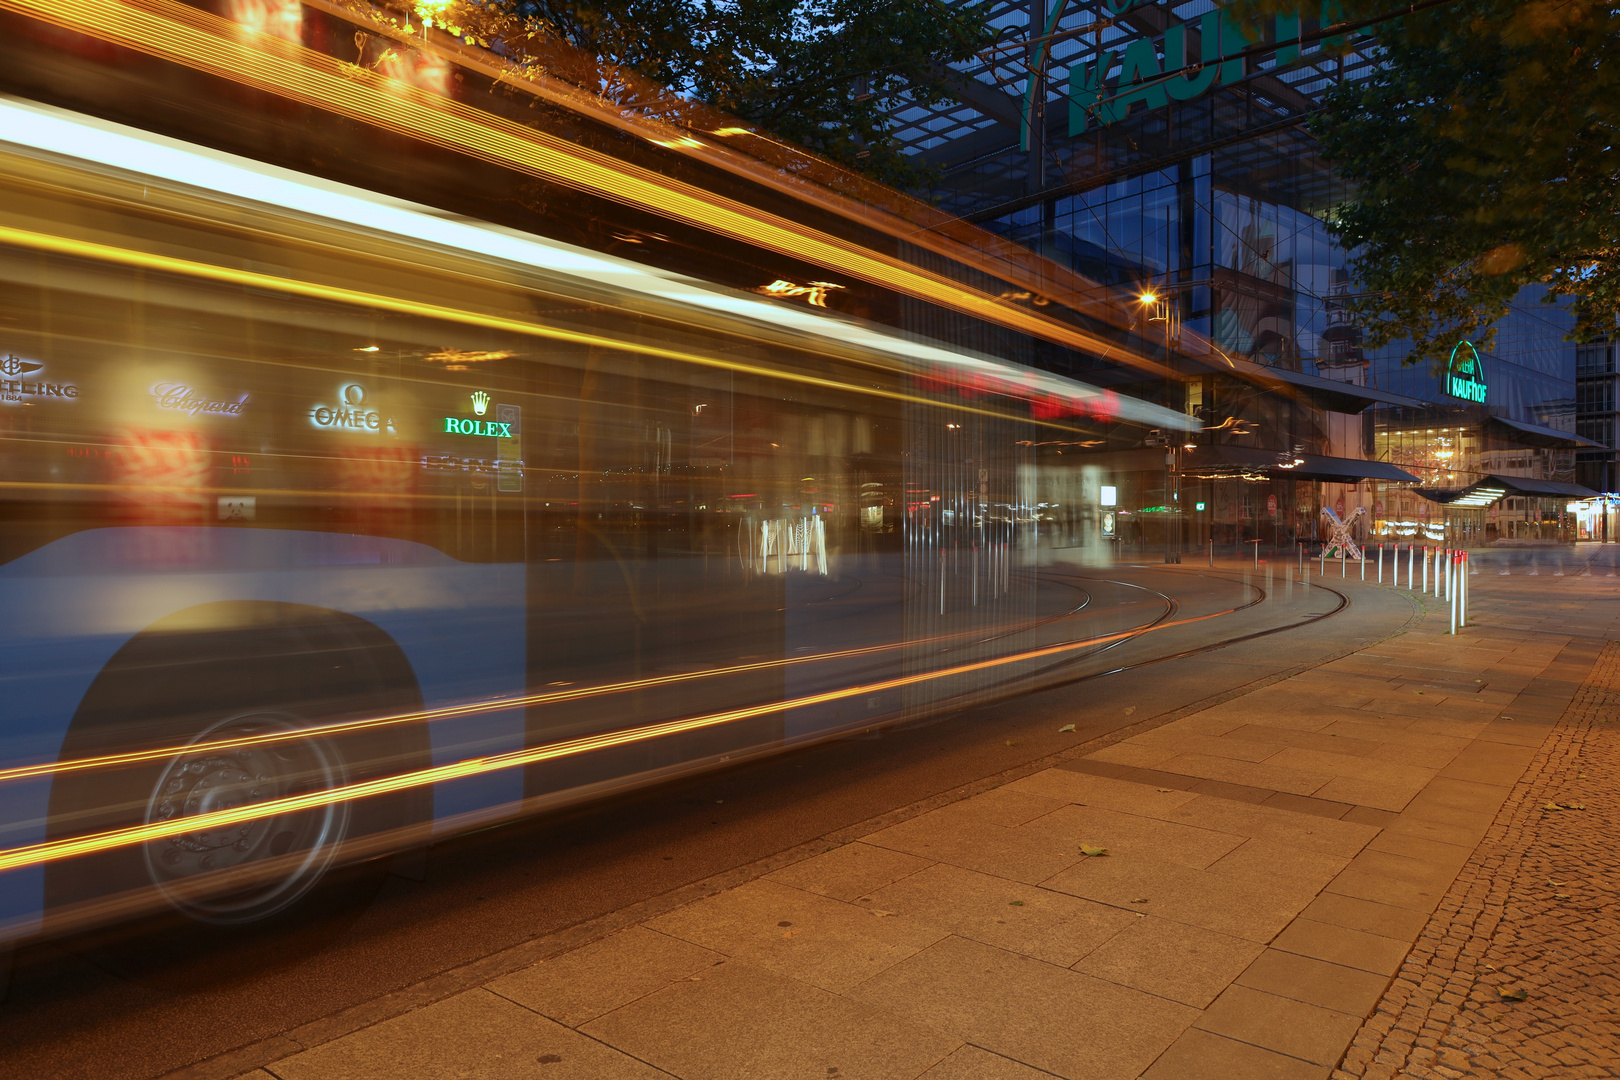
(1465, 373)
(1156, 72)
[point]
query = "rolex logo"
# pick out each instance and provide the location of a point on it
(480, 402)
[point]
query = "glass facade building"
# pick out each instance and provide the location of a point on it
(1210, 200)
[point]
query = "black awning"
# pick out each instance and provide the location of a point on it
(1489, 489)
(1332, 395)
(1536, 435)
(1282, 464)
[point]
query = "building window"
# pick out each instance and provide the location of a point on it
(1595, 396)
(1594, 359)
(1599, 431)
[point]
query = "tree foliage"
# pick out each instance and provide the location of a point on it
(1483, 159)
(824, 74)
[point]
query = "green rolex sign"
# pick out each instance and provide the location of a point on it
(1465, 373)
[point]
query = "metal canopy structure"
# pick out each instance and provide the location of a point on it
(1222, 461)
(1493, 487)
(1005, 141)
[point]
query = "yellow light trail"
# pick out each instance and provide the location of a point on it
(145, 260)
(57, 850)
(451, 712)
(197, 39)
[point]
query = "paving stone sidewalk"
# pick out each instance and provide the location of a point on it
(1269, 864)
(1518, 973)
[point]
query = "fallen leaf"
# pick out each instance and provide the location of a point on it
(1560, 896)
(1066, 727)
(1093, 852)
(1163, 790)
(879, 912)
(1574, 806)
(1552, 806)
(1140, 900)
(1130, 710)
(1017, 903)
(1516, 994)
(790, 933)
(1555, 884)
(1011, 743)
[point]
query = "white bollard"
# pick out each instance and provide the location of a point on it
(1466, 586)
(1411, 555)
(1380, 564)
(1453, 599)
(1425, 569)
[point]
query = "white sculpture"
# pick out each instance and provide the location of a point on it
(1339, 538)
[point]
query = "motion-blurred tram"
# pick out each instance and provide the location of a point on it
(363, 482)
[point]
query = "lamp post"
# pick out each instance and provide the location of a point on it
(1162, 307)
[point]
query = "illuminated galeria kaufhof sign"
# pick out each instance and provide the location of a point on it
(1157, 71)
(1465, 373)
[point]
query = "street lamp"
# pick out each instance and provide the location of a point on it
(1165, 309)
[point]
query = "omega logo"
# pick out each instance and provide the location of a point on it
(352, 415)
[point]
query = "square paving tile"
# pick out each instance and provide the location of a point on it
(979, 845)
(1342, 945)
(818, 940)
(1174, 960)
(1254, 774)
(1129, 752)
(1133, 835)
(737, 1022)
(1367, 916)
(1203, 1055)
(1054, 1019)
(1188, 742)
(1281, 1024)
(1312, 832)
(1378, 794)
(1267, 860)
(1354, 766)
(475, 1033)
(972, 1063)
(1315, 982)
(1008, 807)
(583, 984)
(1087, 790)
(1223, 903)
(849, 870)
(1325, 740)
(1011, 915)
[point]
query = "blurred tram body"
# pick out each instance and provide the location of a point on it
(354, 492)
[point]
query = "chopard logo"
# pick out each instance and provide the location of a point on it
(182, 398)
(15, 389)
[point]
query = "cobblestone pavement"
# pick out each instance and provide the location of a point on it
(1518, 972)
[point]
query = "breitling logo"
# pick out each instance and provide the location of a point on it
(14, 388)
(12, 366)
